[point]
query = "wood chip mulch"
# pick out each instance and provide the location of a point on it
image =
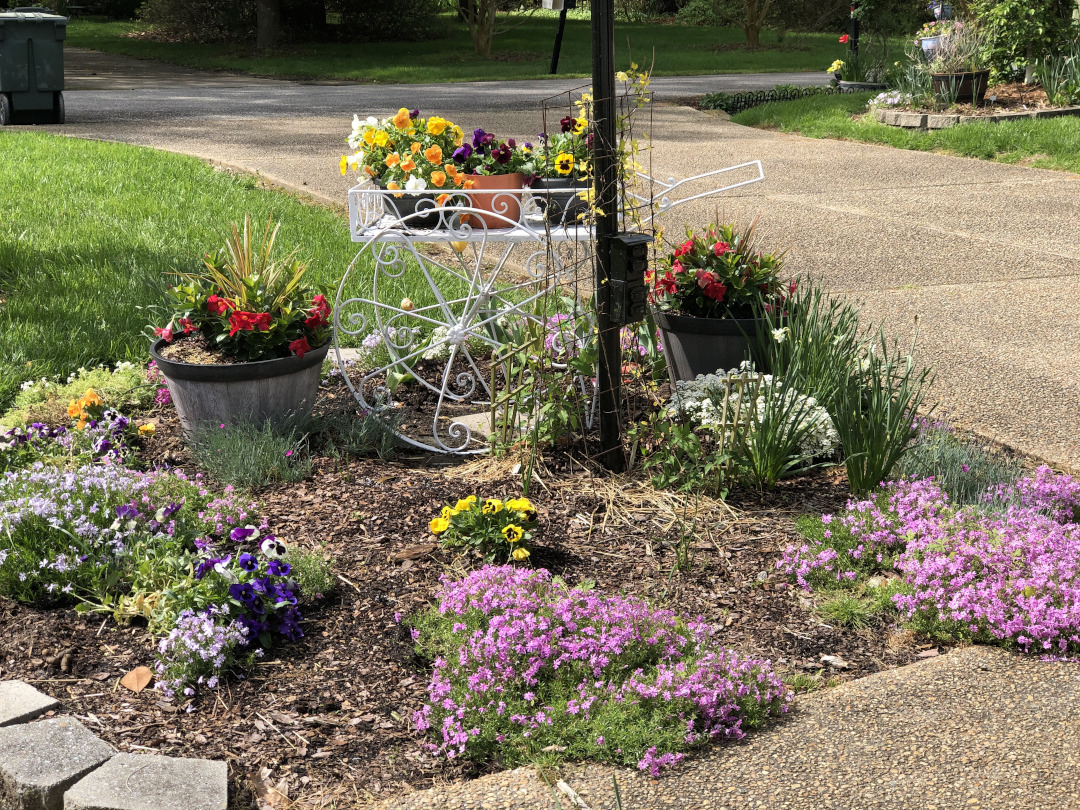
(327, 721)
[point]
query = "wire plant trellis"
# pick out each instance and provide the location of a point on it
(483, 279)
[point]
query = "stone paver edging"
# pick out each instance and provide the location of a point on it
(915, 120)
(56, 763)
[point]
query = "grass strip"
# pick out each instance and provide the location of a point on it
(521, 53)
(1047, 143)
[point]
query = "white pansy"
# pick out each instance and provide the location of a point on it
(416, 184)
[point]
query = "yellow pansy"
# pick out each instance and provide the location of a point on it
(492, 506)
(520, 554)
(436, 125)
(381, 138)
(519, 505)
(439, 525)
(580, 125)
(512, 533)
(401, 120)
(447, 512)
(465, 504)
(564, 163)
(369, 136)
(344, 163)
(147, 429)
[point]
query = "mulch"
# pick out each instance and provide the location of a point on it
(328, 719)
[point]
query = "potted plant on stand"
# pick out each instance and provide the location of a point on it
(958, 69)
(708, 295)
(410, 156)
(562, 171)
(246, 338)
(860, 71)
(500, 168)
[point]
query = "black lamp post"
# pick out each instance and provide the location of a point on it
(605, 174)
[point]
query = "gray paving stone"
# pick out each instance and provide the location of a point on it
(148, 782)
(39, 761)
(912, 120)
(21, 703)
(941, 121)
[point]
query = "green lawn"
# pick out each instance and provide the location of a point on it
(89, 233)
(1049, 143)
(523, 53)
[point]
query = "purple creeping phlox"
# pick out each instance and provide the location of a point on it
(1007, 575)
(198, 651)
(522, 663)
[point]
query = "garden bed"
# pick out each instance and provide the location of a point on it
(1004, 102)
(330, 717)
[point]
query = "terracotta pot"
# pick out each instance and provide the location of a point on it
(958, 87)
(277, 390)
(504, 201)
(696, 346)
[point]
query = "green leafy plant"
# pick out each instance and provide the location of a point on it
(497, 530)
(247, 304)
(252, 455)
(1059, 75)
(720, 273)
(1023, 30)
(124, 387)
(312, 572)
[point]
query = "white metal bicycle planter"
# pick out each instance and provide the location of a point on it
(444, 344)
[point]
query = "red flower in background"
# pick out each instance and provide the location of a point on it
(300, 347)
(720, 248)
(844, 39)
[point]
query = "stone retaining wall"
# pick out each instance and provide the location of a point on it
(914, 120)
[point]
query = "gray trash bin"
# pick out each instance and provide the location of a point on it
(32, 66)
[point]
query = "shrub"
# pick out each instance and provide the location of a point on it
(525, 665)
(249, 455)
(203, 21)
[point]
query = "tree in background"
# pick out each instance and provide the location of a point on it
(1024, 30)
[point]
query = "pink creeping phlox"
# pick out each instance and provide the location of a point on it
(1009, 575)
(526, 662)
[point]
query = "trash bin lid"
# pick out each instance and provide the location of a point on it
(31, 16)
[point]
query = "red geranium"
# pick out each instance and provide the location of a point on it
(299, 347)
(240, 321)
(844, 39)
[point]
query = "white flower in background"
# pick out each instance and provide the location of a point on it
(780, 335)
(416, 184)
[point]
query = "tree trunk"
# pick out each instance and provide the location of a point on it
(267, 23)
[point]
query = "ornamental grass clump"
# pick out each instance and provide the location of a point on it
(497, 530)
(1007, 576)
(525, 666)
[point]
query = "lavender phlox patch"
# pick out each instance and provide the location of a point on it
(520, 659)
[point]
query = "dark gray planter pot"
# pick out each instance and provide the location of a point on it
(558, 198)
(863, 87)
(696, 346)
(275, 390)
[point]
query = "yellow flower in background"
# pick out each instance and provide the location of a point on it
(147, 429)
(621, 76)
(580, 125)
(519, 505)
(836, 66)
(465, 504)
(344, 163)
(91, 398)
(401, 120)
(381, 138)
(74, 409)
(520, 554)
(439, 525)
(436, 125)
(492, 506)
(512, 533)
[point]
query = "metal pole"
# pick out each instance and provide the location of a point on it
(605, 173)
(853, 37)
(558, 41)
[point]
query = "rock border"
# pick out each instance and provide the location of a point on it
(928, 121)
(58, 764)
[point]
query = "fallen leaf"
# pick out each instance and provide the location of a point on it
(835, 661)
(138, 679)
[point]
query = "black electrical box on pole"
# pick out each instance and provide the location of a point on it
(606, 179)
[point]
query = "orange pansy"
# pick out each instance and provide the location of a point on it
(434, 153)
(438, 179)
(401, 120)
